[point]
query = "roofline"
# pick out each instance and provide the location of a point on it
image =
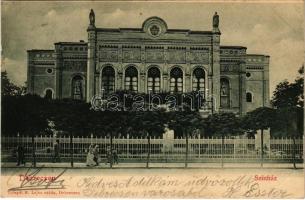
(233, 47)
(257, 55)
(71, 43)
(47, 50)
(118, 30)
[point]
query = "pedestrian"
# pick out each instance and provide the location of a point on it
(108, 155)
(20, 155)
(95, 154)
(56, 148)
(115, 156)
(90, 157)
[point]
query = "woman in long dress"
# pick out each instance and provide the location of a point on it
(90, 157)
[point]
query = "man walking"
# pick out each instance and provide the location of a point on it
(56, 156)
(95, 153)
(20, 155)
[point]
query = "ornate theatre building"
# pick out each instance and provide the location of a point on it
(153, 58)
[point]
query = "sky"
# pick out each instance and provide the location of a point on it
(275, 29)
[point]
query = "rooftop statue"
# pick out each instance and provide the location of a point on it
(215, 20)
(92, 17)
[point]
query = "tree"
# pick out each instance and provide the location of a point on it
(8, 88)
(186, 121)
(290, 94)
(259, 119)
(72, 118)
(24, 115)
(223, 124)
(288, 99)
(150, 124)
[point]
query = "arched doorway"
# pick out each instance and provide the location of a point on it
(49, 94)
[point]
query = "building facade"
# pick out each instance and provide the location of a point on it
(155, 59)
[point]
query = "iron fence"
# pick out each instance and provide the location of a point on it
(160, 150)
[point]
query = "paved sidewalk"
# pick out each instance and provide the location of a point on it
(157, 165)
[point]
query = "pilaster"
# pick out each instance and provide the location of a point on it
(142, 71)
(58, 72)
(29, 82)
(90, 90)
(266, 96)
(242, 87)
(188, 71)
(215, 86)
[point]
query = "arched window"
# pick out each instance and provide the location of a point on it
(249, 97)
(131, 79)
(224, 93)
(198, 79)
(78, 87)
(49, 94)
(153, 80)
(176, 80)
(108, 79)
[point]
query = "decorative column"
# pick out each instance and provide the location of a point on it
(188, 71)
(29, 81)
(142, 71)
(58, 71)
(119, 77)
(91, 57)
(165, 72)
(266, 98)
(216, 62)
(242, 87)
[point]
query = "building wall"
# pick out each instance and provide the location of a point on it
(231, 68)
(41, 72)
(72, 61)
(120, 48)
(257, 81)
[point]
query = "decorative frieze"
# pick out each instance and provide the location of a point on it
(229, 68)
(255, 67)
(176, 55)
(108, 53)
(199, 56)
(41, 62)
(131, 55)
(44, 56)
(231, 61)
(156, 56)
(78, 66)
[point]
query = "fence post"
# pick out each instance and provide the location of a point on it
(71, 149)
(234, 148)
(186, 148)
(148, 151)
(222, 148)
(127, 146)
(33, 151)
(294, 151)
(111, 159)
(199, 139)
(262, 147)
